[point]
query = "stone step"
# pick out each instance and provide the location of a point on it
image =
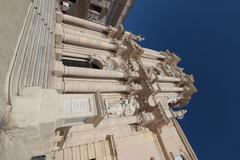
(35, 49)
(19, 57)
(27, 52)
(34, 55)
(99, 150)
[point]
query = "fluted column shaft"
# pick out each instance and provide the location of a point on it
(82, 40)
(92, 73)
(83, 34)
(69, 86)
(75, 87)
(87, 42)
(61, 70)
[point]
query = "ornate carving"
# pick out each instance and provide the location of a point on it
(134, 66)
(173, 99)
(179, 114)
(163, 101)
(125, 107)
(111, 31)
(121, 48)
(137, 37)
(110, 64)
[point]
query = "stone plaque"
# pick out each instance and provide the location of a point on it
(77, 105)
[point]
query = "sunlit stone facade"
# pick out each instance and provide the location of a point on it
(82, 88)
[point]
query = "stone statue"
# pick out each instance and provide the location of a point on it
(179, 114)
(125, 107)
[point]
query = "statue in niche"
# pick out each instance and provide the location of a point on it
(179, 114)
(173, 99)
(125, 107)
(115, 109)
(111, 65)
(135, 66)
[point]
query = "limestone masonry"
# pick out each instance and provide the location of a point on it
(80, 87)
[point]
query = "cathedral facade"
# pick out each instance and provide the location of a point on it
(80, 87)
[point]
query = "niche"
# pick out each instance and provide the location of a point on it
(84, 63)
(42, 157)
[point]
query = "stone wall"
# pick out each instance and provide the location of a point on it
(12, 14)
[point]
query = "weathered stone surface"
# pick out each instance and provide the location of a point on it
(109, 99)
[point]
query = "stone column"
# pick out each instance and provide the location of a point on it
(80, 52)
(81, 22)
(167, 79)
(86, 35)
(61, 70)
(93, 73)
(152, 53)
(169, 89)
(87, 42)
(81, 40)
(75, 86)
(81, 87)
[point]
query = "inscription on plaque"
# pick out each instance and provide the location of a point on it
(77, 105)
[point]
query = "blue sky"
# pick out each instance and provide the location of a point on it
(206, 35)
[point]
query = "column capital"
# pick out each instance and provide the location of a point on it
(58, 69)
